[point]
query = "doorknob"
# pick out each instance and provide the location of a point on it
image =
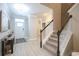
(23, 28)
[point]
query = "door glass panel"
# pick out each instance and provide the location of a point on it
(19, 20)
(19, 24)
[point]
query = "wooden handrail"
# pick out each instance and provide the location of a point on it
(70, 16)
(59, 32)
(42, 31)
(47, 26)
(63, 26)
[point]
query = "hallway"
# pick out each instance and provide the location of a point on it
(30, 48)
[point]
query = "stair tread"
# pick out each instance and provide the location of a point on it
(50, 49)
(53, 39)
(54, 35)
(52, 43)
(54, 32)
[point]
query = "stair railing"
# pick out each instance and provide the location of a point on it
(59, 32)
(41, 31)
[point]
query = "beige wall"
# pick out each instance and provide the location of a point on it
(66, 7)
(59, 10)
(56, 7)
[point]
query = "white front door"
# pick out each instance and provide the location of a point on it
(19, 28)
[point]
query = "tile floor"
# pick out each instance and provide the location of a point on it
(30, 48)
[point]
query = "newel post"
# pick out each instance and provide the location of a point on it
(40, 39)
(58, 49)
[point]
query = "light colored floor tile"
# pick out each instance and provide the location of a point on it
(30, 48)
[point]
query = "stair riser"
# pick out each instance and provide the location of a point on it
(54, 32)
(52, 45)
(53, 36)
(53, 40)
(50, 51)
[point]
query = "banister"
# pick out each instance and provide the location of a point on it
(70, 16)
(42, 31)
(47, 26)
(59, 32)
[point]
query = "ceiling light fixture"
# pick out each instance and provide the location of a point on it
(21, 7)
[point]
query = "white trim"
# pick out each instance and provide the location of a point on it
(72, 7)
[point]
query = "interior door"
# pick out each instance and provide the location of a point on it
(19, 28)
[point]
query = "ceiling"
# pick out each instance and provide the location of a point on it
(35, 8)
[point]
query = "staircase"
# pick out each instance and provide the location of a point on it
(51, 44)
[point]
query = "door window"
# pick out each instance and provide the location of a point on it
(19, 22)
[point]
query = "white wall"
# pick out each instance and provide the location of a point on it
(34, 27)
(5, 17)
(26, 28)
(75, 26)
(35, 24)
(56, 8)
(46, 18)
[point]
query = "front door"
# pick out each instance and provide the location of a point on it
(19, 28)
